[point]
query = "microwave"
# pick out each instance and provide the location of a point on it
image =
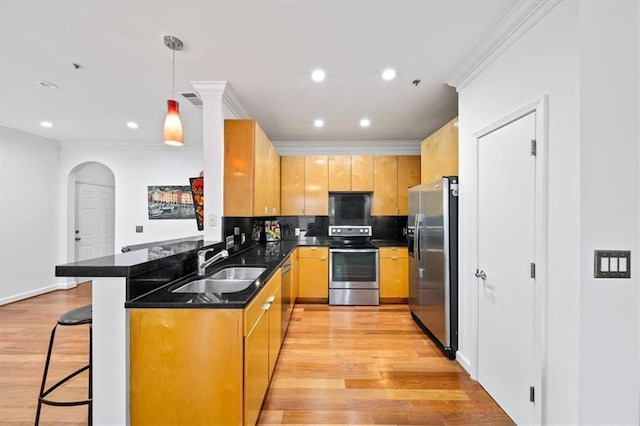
(350, 208)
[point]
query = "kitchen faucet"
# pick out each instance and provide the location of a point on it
(202, 263)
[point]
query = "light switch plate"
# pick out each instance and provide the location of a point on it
(612, 264)
(139, 229)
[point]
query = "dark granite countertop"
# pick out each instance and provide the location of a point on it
(389, 243)
(131, 262)
(269, 255)
(153, 273)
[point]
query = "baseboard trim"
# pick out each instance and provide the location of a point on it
(37, 292)
(463, 361)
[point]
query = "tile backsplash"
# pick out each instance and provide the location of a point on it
(384, 227)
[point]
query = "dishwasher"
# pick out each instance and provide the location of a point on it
(287, 299)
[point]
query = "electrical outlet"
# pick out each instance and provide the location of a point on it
(229, 240)
(213, 220)
(612, 264)
(236, 230)
(139, 229)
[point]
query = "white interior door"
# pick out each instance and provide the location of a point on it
(94, 234)
(506, 249)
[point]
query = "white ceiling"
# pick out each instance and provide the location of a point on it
(266, 50)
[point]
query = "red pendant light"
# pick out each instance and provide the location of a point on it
(173, 133)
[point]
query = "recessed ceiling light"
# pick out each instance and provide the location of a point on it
(132, 125)
(389, 74)
(318, 75)
(365, 122)
(46, 124)
(318, 123)
(48, 85)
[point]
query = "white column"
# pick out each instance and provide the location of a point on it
(110, 352)
(211, 93)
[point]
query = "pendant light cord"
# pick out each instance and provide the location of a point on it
(173, 75)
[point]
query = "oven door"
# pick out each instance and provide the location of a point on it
(353, 268)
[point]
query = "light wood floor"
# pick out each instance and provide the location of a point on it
(370, 365)
(25, 328)
(338, 365)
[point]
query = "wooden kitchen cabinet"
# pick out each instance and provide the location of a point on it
(292, 185)
(339, 170)
(313, 273)
(316, 185)
(408, 176)
(394, 274)
(385, 185)
(204, 366)
(362, 172)
(439, 153)
(263, 322)
(186, 366)
(251, 171)
(392, 177)
(256, 367)
(351, 173)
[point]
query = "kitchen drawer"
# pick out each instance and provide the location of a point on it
(393, 252)
(313, 252)
(257, 305)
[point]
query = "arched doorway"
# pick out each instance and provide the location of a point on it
(92, 217)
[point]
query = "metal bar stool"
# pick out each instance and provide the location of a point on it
(77, 316)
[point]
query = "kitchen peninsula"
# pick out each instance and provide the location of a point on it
(144, 278)
(116, 279)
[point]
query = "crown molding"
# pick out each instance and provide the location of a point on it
(524, 15)
(402, 147)
(230, 99)
(220, 91)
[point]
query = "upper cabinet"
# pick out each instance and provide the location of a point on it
(251, 171)
(439, 153)
(393, 175)
(408, 176)
(292, 185)
(385, 185)
(316, 185)
(307, 180)
(350, 173)
(304, 185)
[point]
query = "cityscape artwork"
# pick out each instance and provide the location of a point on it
(170, 202)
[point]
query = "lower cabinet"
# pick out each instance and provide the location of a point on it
(204, 366)
(313, 273)
(185, 366)
(263, 324)
(394, 274)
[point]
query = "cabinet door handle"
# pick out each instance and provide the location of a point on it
(394, 257)
(323, 258)
(266, 307)
(271, 299)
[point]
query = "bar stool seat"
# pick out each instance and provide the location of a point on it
(78, 316)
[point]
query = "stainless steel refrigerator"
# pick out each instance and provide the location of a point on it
(432, 231)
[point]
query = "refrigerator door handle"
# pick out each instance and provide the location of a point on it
(416, 239)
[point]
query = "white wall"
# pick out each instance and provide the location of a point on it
(29, 203)
(134, 168)
(609, 390)
(585, 318)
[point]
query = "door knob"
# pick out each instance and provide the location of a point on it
(78, 238)
(481, 274)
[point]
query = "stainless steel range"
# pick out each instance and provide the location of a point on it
(353, 266)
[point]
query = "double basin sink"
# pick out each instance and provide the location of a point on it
(228, 280)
